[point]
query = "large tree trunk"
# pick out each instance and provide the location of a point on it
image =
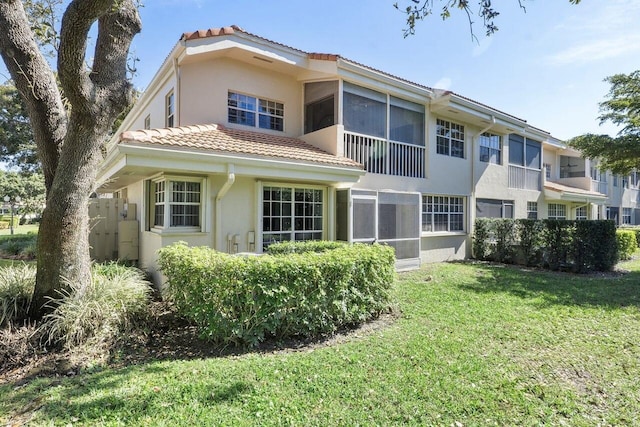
(63, 239)
(69, 147)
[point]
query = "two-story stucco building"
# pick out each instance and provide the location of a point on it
(240, 141)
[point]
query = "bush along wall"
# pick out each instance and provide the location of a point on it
(244, 300)
(627, 243)
(579, 246)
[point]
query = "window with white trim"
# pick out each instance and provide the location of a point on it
(449, 138)
(170, 109)
(256, 112)
(442, 213)
(147, 121)
(491, 148)
(291, 214)
(581, 213)
(556, 211)
(547, 171)
(626, 215)
(177, 203)
(532, 210)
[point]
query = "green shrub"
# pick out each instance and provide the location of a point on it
(557, 241)
(302, 247)
(506, 238)
(22, 245)
(244, 300)
(116, 296)
(481, 239)
(531, 232)
(16, 289)
(626, 243)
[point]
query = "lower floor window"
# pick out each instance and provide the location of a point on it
(291, 214)
(626, 215)
(442, 213)
(532, 210)
(176, 203)
(493, 208)
(581, 213)
(557, 211)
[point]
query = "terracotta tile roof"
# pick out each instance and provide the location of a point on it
(218, 139)
(215, 32)
(554, 186)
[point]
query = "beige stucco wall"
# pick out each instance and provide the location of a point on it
(205, 85)
(444, 248)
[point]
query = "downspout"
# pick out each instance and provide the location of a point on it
(472, 211)
(231, 178)
(176, 70)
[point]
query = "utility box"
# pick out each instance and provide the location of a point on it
(128, 240)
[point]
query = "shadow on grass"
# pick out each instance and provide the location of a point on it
(607, 290)
(125, 395)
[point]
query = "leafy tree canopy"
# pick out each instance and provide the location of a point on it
(17, 147)
(619, 154)
(418, 10)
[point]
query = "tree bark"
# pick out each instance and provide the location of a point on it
(69, 144)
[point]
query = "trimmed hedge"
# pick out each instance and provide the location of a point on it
(627, 243)
(302, 247)
(245, 299)
(579, 246)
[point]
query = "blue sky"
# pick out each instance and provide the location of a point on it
(546, 65)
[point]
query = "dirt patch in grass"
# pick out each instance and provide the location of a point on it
(163, 336)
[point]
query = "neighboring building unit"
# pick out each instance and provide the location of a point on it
(239, 142)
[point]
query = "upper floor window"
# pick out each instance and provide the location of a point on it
(525, 152)
(490, 148)
(635, 178)
(320, 105)
(176, 203)
(547, 171)
(442, 213)
(147, 122)
(365, 111)
(556, 211)
(368, 112)
(449, 138)
(170, 109)
(250, 111)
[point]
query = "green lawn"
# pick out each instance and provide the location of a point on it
(476, 345)
(20, 229)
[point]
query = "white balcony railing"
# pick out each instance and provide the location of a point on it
(382, 156)
(599, 186)
(524, 178)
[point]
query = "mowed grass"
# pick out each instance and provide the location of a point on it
(476, 345)
(20, 229)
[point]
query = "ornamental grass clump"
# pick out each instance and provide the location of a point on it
(116, 297)
(16, 288)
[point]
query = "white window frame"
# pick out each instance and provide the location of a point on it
(582, 213)
(293, 216)
(264, 107)
(547, 171)
(626, 216)
(556, 211)
(447, 204)
(147, 122)
(485, 142)
(532, 210)
(170, 109)
(164, 198)
(445, 139)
